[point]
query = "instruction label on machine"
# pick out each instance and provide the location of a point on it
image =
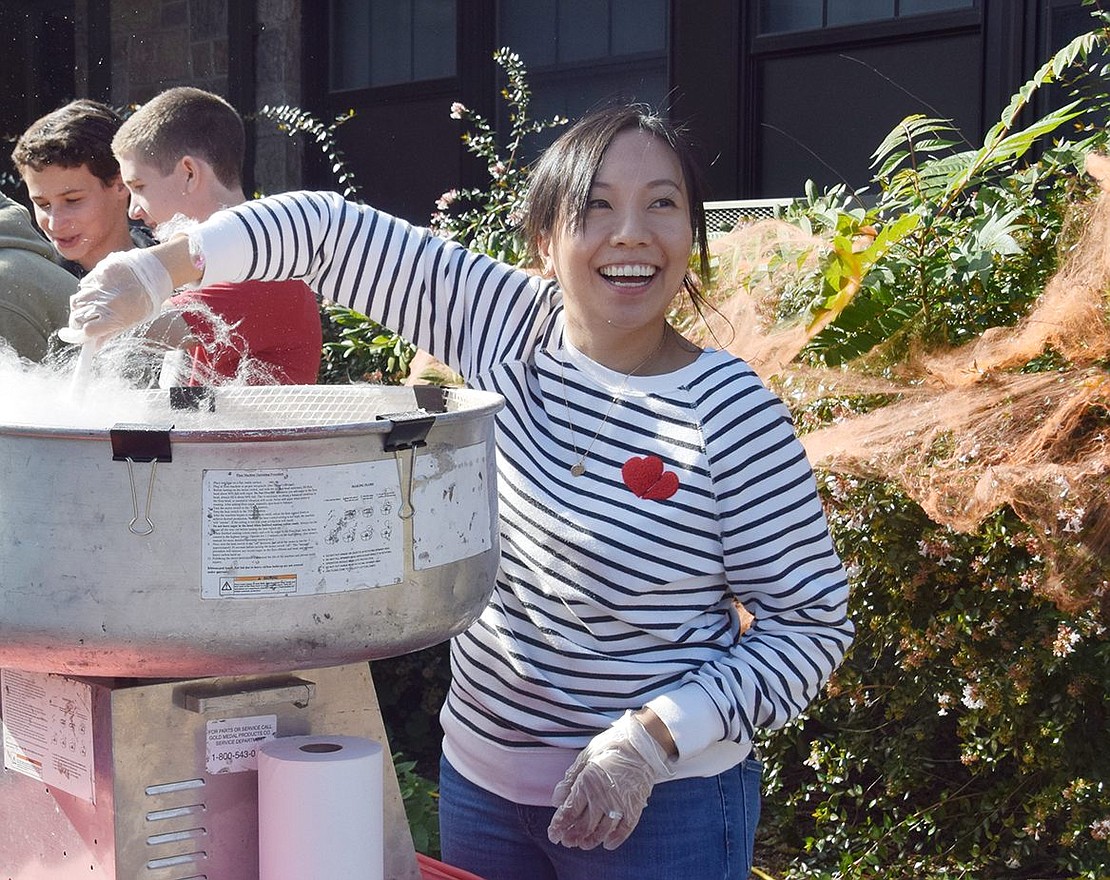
(47, 728)
(297, 531)
(337, 528)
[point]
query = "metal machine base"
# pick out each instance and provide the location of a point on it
(158, 813)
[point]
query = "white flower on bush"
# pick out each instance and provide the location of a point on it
(446, 200)
(1065, 641)
(441, 226)
(940, 550)
(1072, 519)
(943, 701)
(971, 698)
(1029, 581)
(970, 455)
(458, 110)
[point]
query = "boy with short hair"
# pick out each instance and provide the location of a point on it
(181, 156)
(80, 203)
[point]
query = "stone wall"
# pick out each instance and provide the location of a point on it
(278, 158)
(156, 44)
(161, 43)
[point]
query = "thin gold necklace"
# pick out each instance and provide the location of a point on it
(579, 467)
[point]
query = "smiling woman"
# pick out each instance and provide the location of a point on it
(608, 665)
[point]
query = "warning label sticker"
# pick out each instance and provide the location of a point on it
(47, 730)
(300, 531)
(258, 585)
(339, 528)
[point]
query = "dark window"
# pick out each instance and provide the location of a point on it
(781, 16)
(840, 12)
(581, 52)
(386, 42)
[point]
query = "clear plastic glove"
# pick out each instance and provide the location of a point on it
(124, 289)
(605, 790)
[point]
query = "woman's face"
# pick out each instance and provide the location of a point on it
(84, 217)
(620, 270)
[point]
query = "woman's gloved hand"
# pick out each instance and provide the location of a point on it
(605, 790)
(124, 289)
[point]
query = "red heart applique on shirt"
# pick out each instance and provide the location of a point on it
(647, 478)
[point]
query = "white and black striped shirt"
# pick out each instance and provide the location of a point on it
(615, 588)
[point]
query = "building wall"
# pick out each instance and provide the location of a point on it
(278, 159)
(162, 43)
(252, 58)
(770, 112)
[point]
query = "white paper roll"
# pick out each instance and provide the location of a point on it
(320, 809)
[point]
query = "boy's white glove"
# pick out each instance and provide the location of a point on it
(606, 788)
(124, 289)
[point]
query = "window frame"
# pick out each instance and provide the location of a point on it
(886, 30)
(396, 91)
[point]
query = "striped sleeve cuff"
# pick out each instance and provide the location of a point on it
(691, 718)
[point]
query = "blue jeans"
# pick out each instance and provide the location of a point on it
(691, 829)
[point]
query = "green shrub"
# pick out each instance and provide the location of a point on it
(486, 219)
(357, 349)
(966, 734)
(411, 688)
(967, 236)
(421, 801)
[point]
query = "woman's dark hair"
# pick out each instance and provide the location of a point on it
(80, 133)
(560, 182)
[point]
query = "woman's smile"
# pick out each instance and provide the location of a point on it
(628, 275)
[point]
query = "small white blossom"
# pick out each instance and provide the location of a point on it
(971, 698)
(970, 455)
(1072, 519)
(447, 199)
(457, 110)
(1065, 641)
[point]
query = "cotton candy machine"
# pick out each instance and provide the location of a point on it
(247, 530)
(207, 570)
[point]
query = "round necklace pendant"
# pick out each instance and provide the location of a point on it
(578, 468)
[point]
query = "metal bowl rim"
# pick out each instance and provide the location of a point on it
(484, 403)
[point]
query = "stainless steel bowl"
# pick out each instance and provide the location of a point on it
(293, 526)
